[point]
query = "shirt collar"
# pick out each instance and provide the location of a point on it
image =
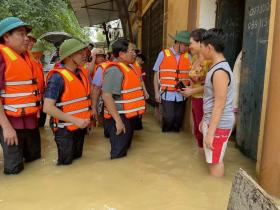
(173, 51)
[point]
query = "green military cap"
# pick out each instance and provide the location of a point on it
(31, 35)
(182, 36)
(38, 46)
(11, 23)
(70, 46)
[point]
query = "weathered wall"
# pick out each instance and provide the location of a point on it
(177, 18)
(270, 161)
(140, 6)
(193, 14)
(146, 4)
(246, 194)
(207, 14)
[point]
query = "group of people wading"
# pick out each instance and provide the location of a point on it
(74, 91)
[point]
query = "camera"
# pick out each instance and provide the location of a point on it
(180, 85)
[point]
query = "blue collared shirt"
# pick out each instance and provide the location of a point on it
(97, 78)
(168, 95)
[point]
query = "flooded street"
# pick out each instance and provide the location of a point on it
(161, 172)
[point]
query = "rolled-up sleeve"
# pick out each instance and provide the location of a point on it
(55, 87)
(158, 61)
(97, 79)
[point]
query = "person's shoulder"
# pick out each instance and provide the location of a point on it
(55, 77)
(161, 52)
(113, 70)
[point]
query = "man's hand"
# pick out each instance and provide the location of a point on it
(186, 91)
(10, 136)
(90, 128)
(94, 112)
(120, 127)
(81, 123)
(200, 126)
(147, 96)
(209, 141)
(157, 97)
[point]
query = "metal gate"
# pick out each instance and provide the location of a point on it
(255, 38)
(152, 40)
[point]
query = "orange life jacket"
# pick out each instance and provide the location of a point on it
(20, 94)
(171, 72)
(137, 69)
(39, 76)
(75, 99)
(132, 95)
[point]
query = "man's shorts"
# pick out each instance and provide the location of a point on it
(219, 143)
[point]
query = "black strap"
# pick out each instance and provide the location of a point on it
(224, 71)
(216, 65)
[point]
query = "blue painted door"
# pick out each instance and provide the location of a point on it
(255, 38)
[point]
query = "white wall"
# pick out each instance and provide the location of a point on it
(207, 14)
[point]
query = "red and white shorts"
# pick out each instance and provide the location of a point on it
(219, 143)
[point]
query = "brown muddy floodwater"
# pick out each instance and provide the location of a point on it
(161, 172)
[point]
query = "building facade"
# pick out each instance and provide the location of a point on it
(249, 26)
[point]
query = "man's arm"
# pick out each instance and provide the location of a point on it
(96, 89)
(146, 94)
(96, 92)
(9, 133)
(112, 85)
(51, 109)
(111, 106)
(156, 76)
(156, 87)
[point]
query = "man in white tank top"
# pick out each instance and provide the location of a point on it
(218, 115)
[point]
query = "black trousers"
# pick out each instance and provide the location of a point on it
(107, 128)
(28, 148)
(172, 115)
(69, 145)
(122, 142)
(42, 119)
(138, 123)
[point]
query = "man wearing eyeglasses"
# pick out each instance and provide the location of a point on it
(123, 96)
